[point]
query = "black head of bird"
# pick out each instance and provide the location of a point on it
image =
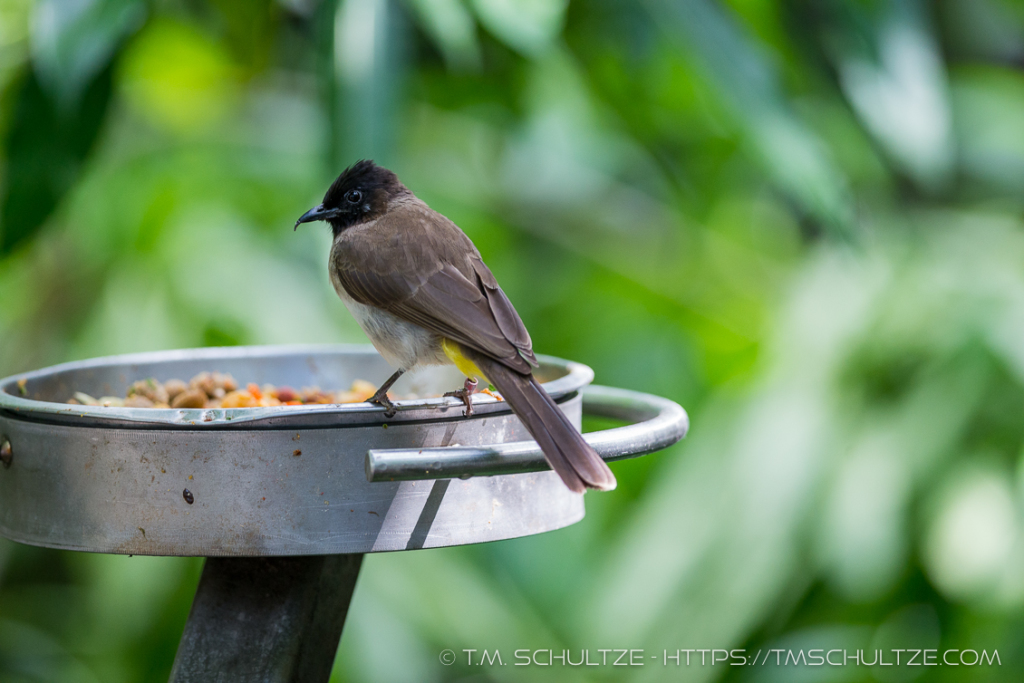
(361, 193)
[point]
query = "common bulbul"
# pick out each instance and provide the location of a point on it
(419, 289)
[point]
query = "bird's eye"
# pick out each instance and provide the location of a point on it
(354, 196)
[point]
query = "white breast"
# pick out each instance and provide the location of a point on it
(402, 344)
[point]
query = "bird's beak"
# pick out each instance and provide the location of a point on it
(317, 213)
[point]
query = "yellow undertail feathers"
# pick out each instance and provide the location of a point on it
(465, 365)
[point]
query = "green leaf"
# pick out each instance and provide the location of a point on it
(59, 106)
(72, 41)
(46, 144)
(528, 26)
(745, 77)
(890, 68)
(451, 27)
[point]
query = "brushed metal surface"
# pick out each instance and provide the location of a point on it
(115, 483)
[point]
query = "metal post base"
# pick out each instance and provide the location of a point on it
(272, 619)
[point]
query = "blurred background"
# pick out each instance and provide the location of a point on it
(800, 219)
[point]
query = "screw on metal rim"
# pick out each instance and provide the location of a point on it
(6, 452)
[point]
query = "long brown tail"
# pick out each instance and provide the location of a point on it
(578, 465)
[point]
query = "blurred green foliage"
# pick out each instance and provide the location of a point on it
(802, 220)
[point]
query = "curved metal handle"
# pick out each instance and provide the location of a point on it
(658, 423)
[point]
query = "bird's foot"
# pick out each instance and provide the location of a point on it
(381, 399)
(466, 394)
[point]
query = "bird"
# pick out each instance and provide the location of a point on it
(421, 292)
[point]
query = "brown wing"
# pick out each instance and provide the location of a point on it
(418, 265)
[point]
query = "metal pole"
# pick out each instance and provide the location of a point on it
(268, 619)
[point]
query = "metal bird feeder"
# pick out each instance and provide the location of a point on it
(285, 501)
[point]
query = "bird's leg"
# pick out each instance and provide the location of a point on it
(381, 397)
(466, 394)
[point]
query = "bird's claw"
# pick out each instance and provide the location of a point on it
(465, 394)
(381, 399)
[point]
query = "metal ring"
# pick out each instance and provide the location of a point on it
(299, 364)
(657, 423)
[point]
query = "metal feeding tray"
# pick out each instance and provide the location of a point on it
(286, 500)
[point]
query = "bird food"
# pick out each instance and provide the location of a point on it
(220, 390)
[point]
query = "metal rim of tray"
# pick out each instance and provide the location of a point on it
(575, 377)
(345, 483)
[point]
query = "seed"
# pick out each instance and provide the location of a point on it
(191, 398)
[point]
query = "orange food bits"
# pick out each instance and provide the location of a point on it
(239, 399)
